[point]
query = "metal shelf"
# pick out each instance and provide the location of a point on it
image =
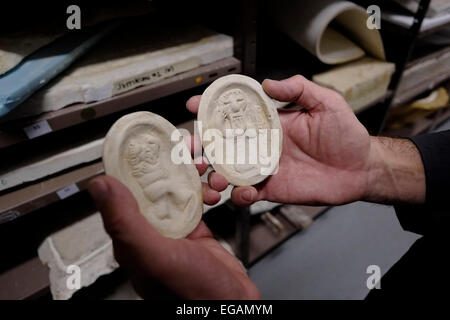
(427, 31)
(45, 192)
(420, 126)
(418, 90)
(39, 194)
(251, 238)
(25, 281)
(437, 73)
(13, 132)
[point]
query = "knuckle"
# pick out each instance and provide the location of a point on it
(299, 78)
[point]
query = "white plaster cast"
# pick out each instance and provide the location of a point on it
(239, 103)
(141, 60)
(84, 244)
(360, 82)
(137, 151)
(35, 168)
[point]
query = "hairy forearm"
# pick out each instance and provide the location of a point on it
(396, 172)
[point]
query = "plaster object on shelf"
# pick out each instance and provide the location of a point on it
(360, 82)
(426, 70)
(138, 152)
(240, 128)
(38, 167)
(84, 245)
(147, 54)
(308, 23)
(17, 45)
(43, 65)
(336, 47)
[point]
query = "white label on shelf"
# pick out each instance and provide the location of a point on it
(155, 75)
(67, 191)
(8, 216)
(37, 129)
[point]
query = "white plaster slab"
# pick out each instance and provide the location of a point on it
(135, 55)
(138, 151)
(234, 110)
(84, 244)
(50, 164)
(360, 82)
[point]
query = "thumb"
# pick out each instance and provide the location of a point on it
(119, 209)
(303, 92)
(135, 241)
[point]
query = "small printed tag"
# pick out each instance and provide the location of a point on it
(37, 129)
(155, 75)
(8, 216)
(67, 191)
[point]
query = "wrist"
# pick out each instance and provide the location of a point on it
(395, 172)
(377, 173)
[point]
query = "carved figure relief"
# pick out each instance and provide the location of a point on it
(235, 111)
(240, 110)
(137, 152)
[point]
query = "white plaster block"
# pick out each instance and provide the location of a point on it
(50, 164)
(84, 244)
(126, 60)
(360, 82)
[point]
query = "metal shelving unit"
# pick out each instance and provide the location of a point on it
(29, 279)
(13, 132)
(413, 35)
(22, 275)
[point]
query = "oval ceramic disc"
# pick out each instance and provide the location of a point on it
(137, 151)
(234, 114)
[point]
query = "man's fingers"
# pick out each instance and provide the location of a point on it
(210, 196)
(136, 243)
(201, 166)
(193, 103)
(244, 196)
(300, 90)
(117, 205)
(217, 181)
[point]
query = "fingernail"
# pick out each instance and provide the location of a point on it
(99, 190)
(247, 195)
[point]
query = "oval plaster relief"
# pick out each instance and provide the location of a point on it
(240, 128)
(137, 151)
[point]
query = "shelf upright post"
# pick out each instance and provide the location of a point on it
(246, 49)
(412, 35)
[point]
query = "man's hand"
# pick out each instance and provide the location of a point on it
(325, 156)
(197, 267)
(328, 157)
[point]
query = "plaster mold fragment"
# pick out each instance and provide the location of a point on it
(138, 152)
(240, 128)
(84, 245)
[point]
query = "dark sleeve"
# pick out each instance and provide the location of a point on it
(435, 213)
